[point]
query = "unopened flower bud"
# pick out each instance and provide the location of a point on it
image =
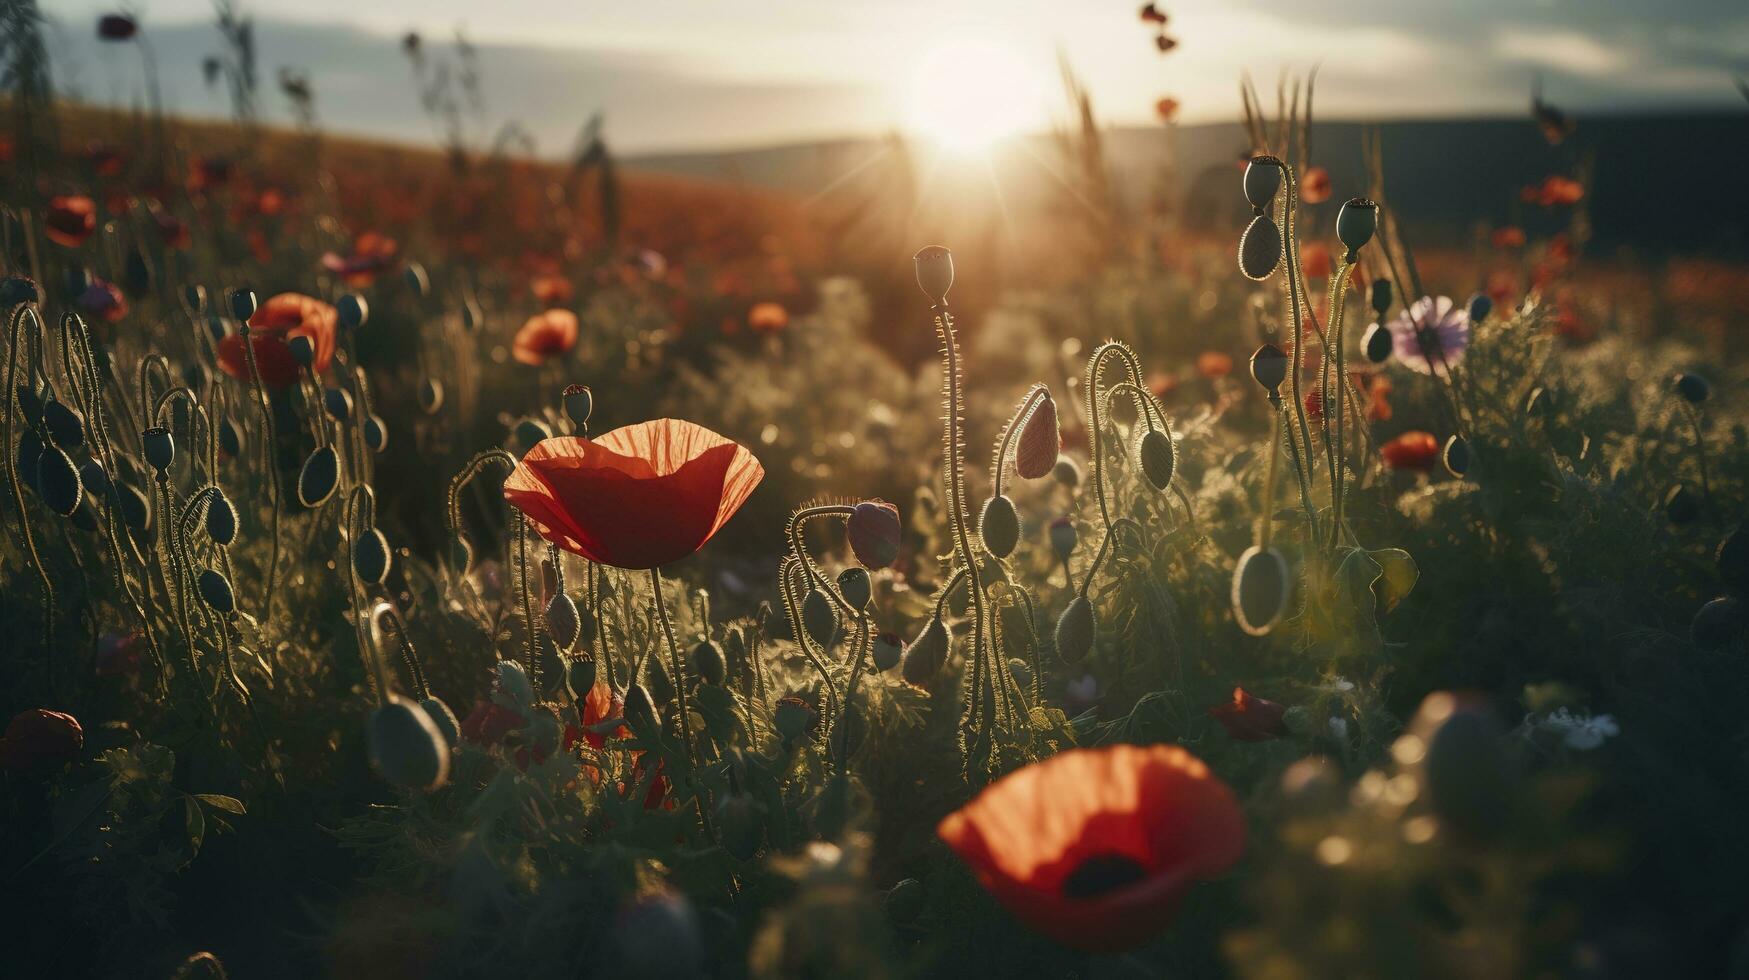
(934, 272)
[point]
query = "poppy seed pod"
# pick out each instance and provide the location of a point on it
(934, 272)
(1260, 248)
(1381, 295)
(215, 591)
(512, 680)
(563, 623)
(1067, 473)
(221, 519)
(579, 404)
(1356, 223)
(818, 618)
(580, 677)
(1377, 343)
(887, 650)
(1040, 441)
(57, 481)
(1681, 505)
(407, 747)
(1269, 367)
(15, 290)
(904, 903)
(371, 556)
(873, 530)
(1075, 629)
(793, 717)
(338, 402)
(1261, 589)
(417, 281)
(1263, 179)
(1480, 307)
(430, 396)
(441, 716)
(375, 432)
(1063, 538)
(1718, 623)
(855, 587)
(709, 664)
(302, 351)
(1456, 456)
(1732, 559)
(319, 476)
(927, 653)
(530, 433)
(640, 712)
(66, 426)
(1159, 458)
(1000, 526)
(160, 447)
(351, 311)
(243, 305)
(230, 437)
(1693, 388)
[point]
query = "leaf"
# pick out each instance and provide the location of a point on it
(1398, 575)
(195, 820)
(217, 801)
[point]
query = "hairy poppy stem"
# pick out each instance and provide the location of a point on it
(1267, 531)
(999, 467)
(675, 667)
(1291, 253)
(48, 586)
(1694, 421)
(271, 471)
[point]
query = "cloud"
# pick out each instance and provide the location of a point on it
(1567, 51)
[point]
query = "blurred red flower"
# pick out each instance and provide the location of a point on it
(639, 497)
(372, 253)
(1315, 185)
(1096, 848)
(767, 317)
(70, 219)
(1214, 364)
(1151, 14)
(172, 231)
(40, 735)
(1511, 236)
(1315, 260)
(106, 160)
(490, 722)
(103, 300)
(1166, 109)
(276, 321)
(1413, 450)
(551, 289)
(545, 336)
(208, 173)
(1250, 719)
(1554, 191)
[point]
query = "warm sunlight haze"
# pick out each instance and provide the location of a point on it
(966, 96)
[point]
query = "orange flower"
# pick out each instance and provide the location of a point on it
(1166, 109)
(1508, 237)
(1315, 260)
(209, 173)
(551, 289)
(767, 317)
(545, 336)
(372, 253)
(1315, 185)
(1213, 364)
(1161, 383)
(1554, 191)
(276, 321)
(639, 497)
(70, 220)
(1413, 450)
(1248, 718)
(1096, 848)
(1378, 390)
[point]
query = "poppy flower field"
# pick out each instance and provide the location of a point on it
(424, 564)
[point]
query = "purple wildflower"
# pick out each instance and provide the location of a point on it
(1432, 335)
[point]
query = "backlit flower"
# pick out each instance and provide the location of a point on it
(1248, 718)
(551, 289)
(1413, 450)
(1096, 848)
(371, 254)
(767, 318)
(1315, 185)
(1213, 364)
(1431, 335)
(276, 321)
(1315, 260)
(1511, 236)
(70, 219)
(545, 336)
(40, 735)
(638, 497)
(103, 300)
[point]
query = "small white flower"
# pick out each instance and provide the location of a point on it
(1339, 729)
(1580, 732)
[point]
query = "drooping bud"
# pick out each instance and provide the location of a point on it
(1000, 526)
(430, 396)
(927, 653)
(1040, 441)
(1377, 343)
(417, 281)
(793, 717)
(441, 716)
(740, 824)
(580, 677)
(818, 617)
(563, 622)
(513, 682)
(242, 304)
(215, 591)
(1269, 367)
(230, 437)
(319, 476)
(57, 481)
(887, 650)
(160, 447)
(1471, 782)
(640, 712)
(1693, 388)
(407, 747)
(302, 350)
(1480, 306)
(1260, 248)
(1718, 623)
(579, 404)
(66, 426)
(1075, 629)
(904, 903)
(1261, 589)
(1067, 473)
(855, 587)
(934, 272)
(1159, 458)
(1356, 223)
(1063, 538)
(873, 529)
(375, 432)
(338, 402)
(530, 433)
(1381, 296)
(351, 311)
(221, 519)
(708, 662)
(1456, 456)
(1681, 505)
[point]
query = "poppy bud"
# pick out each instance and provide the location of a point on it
(512, 681)
(1260, 248)
(302, 350)
(640, 712)
(351, 311)
(338, 402)
(1075, 630)
(1693, 388)
(461, 554)
(708, 662)
(1159, 458)
(57, 480)
(580, 677)
(443, 718)
(1000, 526)
(417, 281)
(1470, 778)
(657, 935)
(15, 290)
(215, 591)
(530, 433)
(66, 426)
(660, 686)
(319, 476)
(1377, 343)
(430, 396)
(243, 305)
(1480, 307)
(371, 556)
(136, 512)
(221, 519)
(1356, 223)
(1732, 559)
(1381, 295)
(579, 404)
(563, 623)
(1456, 456)
(30, 449)
(934, 272)
(1063, 538)
(818, 618)
(407, 747)
(1261, 589)
(230, 437)
(1718, 623)
(1021, 670)
(904, 903)
(1681, 506)
(792, 716)
(40, 735)
(855, 587)
(472, 315)
(1263, 178)
(1269, 367)
(30, 403)
(888, 648)
(1066, 473)
(873, 529)
(160, 447)
(928, 652)
(585, 625)
(375, 432)
(1040, 441)
(92, 477)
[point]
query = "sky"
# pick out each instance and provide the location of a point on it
(714, 74)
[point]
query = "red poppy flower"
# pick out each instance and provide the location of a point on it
(1508, 237)
(372, 253)
(172, 231)
(873, 530)
(545, 336)
(280, 318)
(552, 290)
(1315, 260)
(1151, 15)
(1554, 191)
(1314, 405)
(106, 160)
(40, 735)
(70, 220)
(767, 317)
(1166, 109)
(1096, 848)
(208, 173)
(1315, 185)
(1161, 383)
(1378, 390)
(490, 722)
(638, 497)
(598, 706)
(1213, 364)
(1250, 719)
(1413, 450)
(103, 300)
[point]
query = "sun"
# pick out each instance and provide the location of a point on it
(968, 95)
